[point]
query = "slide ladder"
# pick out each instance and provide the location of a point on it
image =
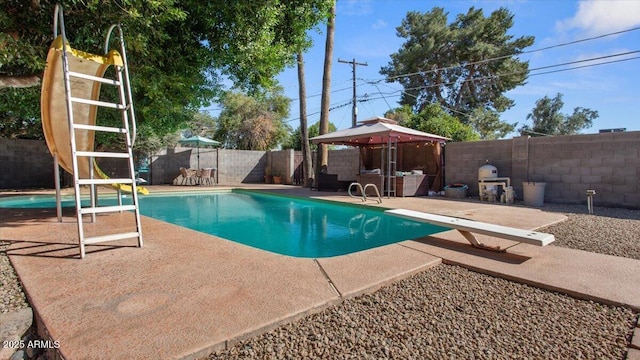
(77, 77)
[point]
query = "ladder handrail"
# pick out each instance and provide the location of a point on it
(376, 190)
(59, 17)
(363, 191)
(123, 53)
(56, 13)
(359, 186)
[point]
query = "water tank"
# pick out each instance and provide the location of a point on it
(487, 171)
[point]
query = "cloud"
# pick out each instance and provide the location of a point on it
(601, 17)
(354, 7)
(379, 24)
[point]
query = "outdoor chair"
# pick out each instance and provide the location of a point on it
(187, 175)
(204, 176)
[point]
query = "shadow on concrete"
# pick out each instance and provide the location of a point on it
(57, 250)
(463, 248)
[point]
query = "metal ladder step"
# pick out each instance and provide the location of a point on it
(100, 128)
(94, 78)
(105, 181)
(106, 209)
(111, 237)
(99, 103)
(103, 154)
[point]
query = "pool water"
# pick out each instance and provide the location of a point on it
(285, 225)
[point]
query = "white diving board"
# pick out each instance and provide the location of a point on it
(468, 227)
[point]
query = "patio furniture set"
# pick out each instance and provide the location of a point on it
(195, 177)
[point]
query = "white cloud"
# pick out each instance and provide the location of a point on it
(354, 7)
(600, 17)
(380, 24)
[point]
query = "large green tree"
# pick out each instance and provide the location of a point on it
(253, 122)
(435, 120)
(548, 119)
(177, 50)
(464, 65)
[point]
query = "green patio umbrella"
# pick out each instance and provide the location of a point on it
(199, 141)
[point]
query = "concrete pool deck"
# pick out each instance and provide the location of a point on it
(185, 294)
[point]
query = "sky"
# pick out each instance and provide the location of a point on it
(365, 30)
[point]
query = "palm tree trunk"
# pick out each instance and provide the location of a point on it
(307, 163)
(322, 154)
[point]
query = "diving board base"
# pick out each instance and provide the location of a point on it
(475, 243)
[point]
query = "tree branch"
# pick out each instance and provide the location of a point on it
(19, 81)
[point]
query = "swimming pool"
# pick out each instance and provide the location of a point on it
(286, 225)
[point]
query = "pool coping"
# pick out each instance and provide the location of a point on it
(218, 280)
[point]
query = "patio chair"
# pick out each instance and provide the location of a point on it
(187, 175)
(204, 176)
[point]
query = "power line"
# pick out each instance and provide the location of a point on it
(397, 92)
(404, 91)
(539, 68)
(318, 112)
(506, 56)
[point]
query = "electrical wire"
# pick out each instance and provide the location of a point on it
(506, 56)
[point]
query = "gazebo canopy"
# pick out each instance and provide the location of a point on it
(376, 131)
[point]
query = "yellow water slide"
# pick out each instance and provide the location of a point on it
(54, 108)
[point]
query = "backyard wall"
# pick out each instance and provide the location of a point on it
(25, 164)
(345, 163)
(608, 163)
(232, 166)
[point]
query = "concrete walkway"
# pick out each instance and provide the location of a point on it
(186, 294)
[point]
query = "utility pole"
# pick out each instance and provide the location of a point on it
(354, 110)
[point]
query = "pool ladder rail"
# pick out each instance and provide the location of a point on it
(363, 191)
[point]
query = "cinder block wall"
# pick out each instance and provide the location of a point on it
(570, 165)
(25, 164)
(281, 163)
(462, 161)
(241, 166)
(345, 163)
(165, 164)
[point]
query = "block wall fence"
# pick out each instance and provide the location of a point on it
(570, 165)
(608, 163)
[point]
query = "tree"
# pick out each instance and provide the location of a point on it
(433, 119)
(548, 120)
(322, 155)
(466, 65)
(295, 140)
(307, 162)
(177, 51)
(487, 124)
(253, 123)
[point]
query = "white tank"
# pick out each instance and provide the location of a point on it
(487, 171)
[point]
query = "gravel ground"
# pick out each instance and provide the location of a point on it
(450, 312)
(608, 231)
(11, 295)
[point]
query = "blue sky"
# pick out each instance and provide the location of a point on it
(365, 30)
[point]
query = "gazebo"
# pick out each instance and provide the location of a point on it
(385, 134)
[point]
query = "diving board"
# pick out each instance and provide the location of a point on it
(470, 227)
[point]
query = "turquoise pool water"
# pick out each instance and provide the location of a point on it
(284, 225)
